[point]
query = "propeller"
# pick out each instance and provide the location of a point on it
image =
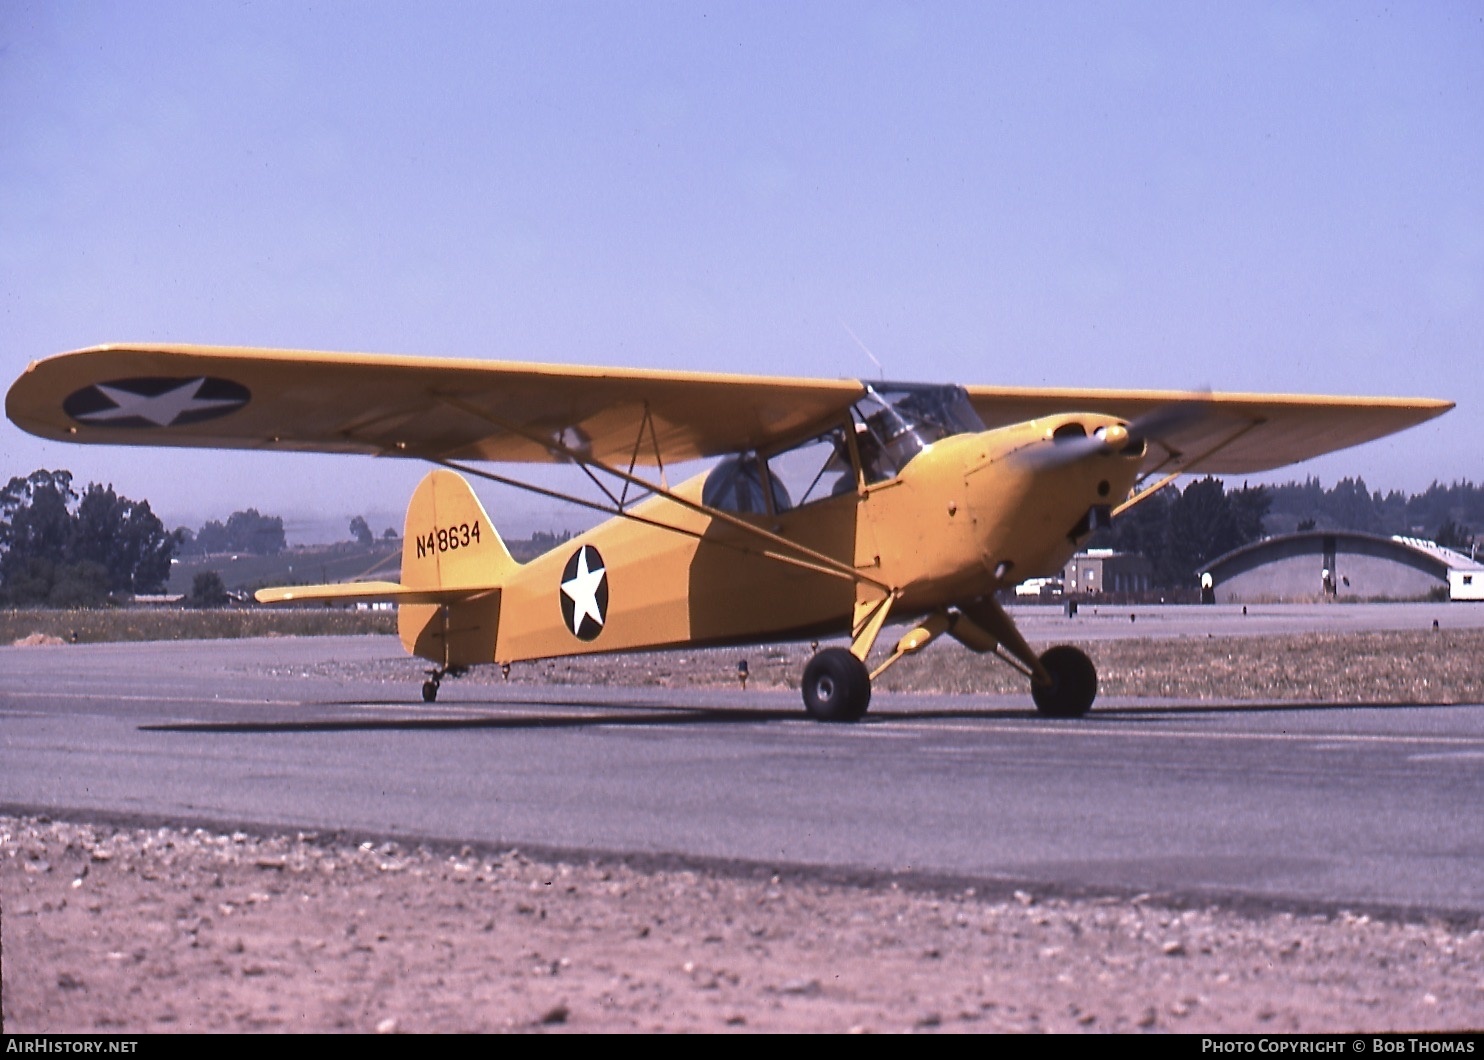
(1159, 423)
(1071, 443)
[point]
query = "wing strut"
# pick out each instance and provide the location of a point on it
(647, 422)
(870, 617)
(793, 552)
(1170, 477)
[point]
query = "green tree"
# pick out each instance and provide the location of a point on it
(262, 535)
(35, 520)
(125, 538)
(1140, 530)
(1181, 532)
(59, 548)
(1452, 535)
(1206, 522)
(245, 531)
(80, 584)
(35, 534)
(1249, 512)
(360, 530)
(207, 590)
(1350, 506)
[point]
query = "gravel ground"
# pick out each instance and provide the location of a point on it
(120, 928)
(116, 929)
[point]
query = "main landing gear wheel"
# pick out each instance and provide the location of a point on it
(837, 686)
(430, 690)
(1074, 683)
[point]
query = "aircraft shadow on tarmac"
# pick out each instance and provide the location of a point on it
(637, 714)
(658, 714)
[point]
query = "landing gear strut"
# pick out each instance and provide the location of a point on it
(435, 678)
(837, 685)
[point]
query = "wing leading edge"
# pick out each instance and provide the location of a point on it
(451, 409)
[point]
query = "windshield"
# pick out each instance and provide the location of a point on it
(901, 420)
(892, 424)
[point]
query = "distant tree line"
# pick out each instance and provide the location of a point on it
(62, 548)
(360, 532)
(1449, 515)
(542, 541)
(243, 532)
(1181, 531)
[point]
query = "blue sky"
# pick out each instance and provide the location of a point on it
(1251, 196)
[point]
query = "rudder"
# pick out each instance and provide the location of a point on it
(448, 543)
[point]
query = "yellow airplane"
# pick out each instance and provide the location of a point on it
(835, 505)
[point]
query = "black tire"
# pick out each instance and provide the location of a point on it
(430, 691)
(1074, 683)
(837, 686)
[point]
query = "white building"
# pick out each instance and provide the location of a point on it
(1466, 584)
(1465, 573)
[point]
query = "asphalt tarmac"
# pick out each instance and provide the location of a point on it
(1307, 805)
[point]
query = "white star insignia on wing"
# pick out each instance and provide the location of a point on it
(582, 590)
(160, 409)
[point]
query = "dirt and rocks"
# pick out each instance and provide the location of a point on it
(116, 927)
(127, 930)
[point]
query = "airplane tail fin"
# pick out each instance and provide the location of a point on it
(453, 565)
(455, 562)
(448, 543)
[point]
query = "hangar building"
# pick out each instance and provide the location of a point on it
(1343, 564)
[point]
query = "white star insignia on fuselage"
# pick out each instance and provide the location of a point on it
(160, 409)
(582, 590)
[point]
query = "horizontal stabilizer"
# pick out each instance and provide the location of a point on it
(368, 592)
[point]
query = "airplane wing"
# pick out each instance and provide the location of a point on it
(304, 401)
(1220, 433)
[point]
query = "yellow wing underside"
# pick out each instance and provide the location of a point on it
(1223, 433)
(446, 409)
(306, 401)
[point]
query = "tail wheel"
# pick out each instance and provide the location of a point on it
(837, 686)
(430, 691)
(1074, 683)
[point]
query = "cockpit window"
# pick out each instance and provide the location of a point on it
(892, 424)
(735, 485)
(814, 470)
(902, 420)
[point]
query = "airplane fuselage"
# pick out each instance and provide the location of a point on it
(970, 514)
